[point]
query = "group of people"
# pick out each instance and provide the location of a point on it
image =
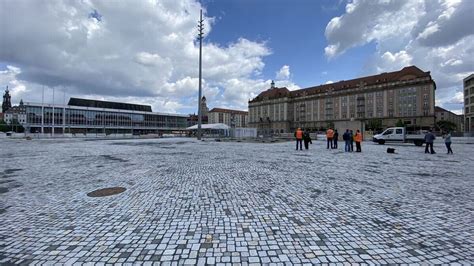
(429, 139)
(302, 136)
(332, 137)
(349, 138)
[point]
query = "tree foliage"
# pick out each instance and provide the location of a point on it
(400, 123)
(330, 125)
(15, 126)
(374, 124)
(444, 125)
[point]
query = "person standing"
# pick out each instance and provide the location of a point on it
(346, 137)
(299, 138)
(429, 139)
(306, 139)
(351, 133)
(447, 142)
(329, 136)
(336, 137)
(358, 140)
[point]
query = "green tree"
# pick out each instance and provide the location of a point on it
(374, 124)
(444, 125)
(14, 126)
(330, 125)
(400, 123)
(3, 126)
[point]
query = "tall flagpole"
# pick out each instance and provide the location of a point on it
(64, 110)
(52, 128)
(42, 112)
(200, 36)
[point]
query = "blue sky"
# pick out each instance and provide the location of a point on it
(146, 51)
(294, 31)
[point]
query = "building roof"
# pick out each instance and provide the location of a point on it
(440, 109)
(108, 105)
(469, 77)
(407, 73)
(273, 93)
(15, 110)
(211, 126)
(230, 111)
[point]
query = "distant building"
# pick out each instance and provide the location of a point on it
(193, 118)
(93, 116)
(16, 114)
(469, 104)
(407, 95)
(232, 118)
(7, 101)
(445, 115)
(204, 109)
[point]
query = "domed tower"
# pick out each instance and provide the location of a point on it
(7, 101)
(204, 109)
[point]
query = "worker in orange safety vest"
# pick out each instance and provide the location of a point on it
(329, 137)
(299, 138)
(358, 140)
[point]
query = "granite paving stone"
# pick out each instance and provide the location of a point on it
(206, 202)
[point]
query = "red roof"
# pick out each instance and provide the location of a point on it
(230, 111)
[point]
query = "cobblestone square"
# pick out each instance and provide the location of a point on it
(190, 202)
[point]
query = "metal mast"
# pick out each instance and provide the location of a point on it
(200, 36)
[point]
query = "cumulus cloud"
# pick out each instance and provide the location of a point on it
(142, 51)
(283, 73)
(436, 36)
(368, 20)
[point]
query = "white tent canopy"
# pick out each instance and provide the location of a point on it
(211, 126)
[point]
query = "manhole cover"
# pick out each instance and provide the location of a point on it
(106, 192)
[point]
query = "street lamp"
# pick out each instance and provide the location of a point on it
(200, 36)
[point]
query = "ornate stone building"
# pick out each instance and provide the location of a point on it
(7, 101)
(407, 95)
(204, 109)
(193, 118)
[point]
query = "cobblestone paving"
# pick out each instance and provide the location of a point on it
(192, 202)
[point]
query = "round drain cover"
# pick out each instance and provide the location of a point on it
(106, 192)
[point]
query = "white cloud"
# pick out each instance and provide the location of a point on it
(457, 111)
(436, 36)
(458, 98)
(142, 51)
(368, 20)
(394, 61)
(283, 73)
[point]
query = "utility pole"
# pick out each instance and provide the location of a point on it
(52, 128)
(200, 36)
(42, 113)
(64, 110)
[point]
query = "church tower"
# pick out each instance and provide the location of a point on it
(7, 101)
(204, 109)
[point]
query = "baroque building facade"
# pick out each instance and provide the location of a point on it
(468, 83)
(407, 95)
